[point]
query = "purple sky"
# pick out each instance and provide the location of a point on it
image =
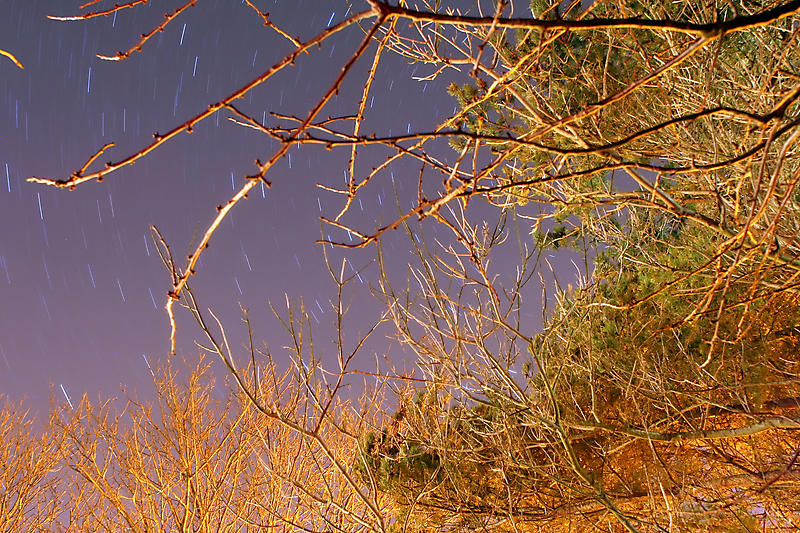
(80, 296)
(81, 288)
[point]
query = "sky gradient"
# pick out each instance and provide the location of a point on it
(81, 288)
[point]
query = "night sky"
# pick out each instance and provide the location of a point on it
(81, 288)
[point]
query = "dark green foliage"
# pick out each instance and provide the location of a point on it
(391, 459)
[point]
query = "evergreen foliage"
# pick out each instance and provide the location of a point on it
(663, 392)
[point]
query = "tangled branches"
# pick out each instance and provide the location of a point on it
(659, 140)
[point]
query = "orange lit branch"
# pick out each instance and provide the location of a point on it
(251, 182)
(188, 126)
(107, 12)
(708, 31)
(168, 17)
(269, 24)
(11, 57)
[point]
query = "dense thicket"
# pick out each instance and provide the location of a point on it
(662, 393)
